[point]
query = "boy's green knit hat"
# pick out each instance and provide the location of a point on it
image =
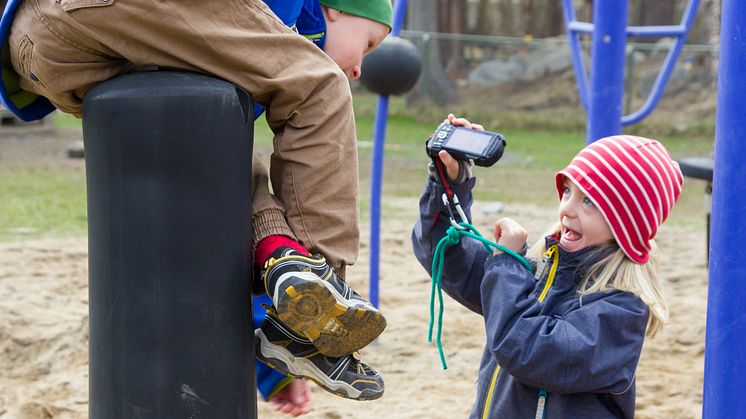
(378, 10)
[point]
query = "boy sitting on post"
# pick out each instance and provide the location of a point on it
(345, 31)
(53, 52)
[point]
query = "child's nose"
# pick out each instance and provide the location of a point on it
(567, 208)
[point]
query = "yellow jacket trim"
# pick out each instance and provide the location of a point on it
(554, 254)
(490, 393)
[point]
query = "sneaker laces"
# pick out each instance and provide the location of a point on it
(358, 360)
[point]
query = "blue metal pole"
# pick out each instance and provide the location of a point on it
(725, 347)
(376, 178)
(376, 174)
(400, 7)
(607, 69)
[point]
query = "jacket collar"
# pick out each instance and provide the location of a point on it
(581, 259)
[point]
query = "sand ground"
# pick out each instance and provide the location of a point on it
(44, 312)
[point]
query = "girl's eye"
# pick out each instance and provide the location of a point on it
(566, 191)
(587, 202)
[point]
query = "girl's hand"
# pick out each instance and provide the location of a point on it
(510, 234)
(451, 164)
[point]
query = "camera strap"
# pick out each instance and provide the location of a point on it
(449, 197)
(442, 175)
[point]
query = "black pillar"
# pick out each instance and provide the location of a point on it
(168, 162)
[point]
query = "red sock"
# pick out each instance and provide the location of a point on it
(269, 244)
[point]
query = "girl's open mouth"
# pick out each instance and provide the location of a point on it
(569, 234)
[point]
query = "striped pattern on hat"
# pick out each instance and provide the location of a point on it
(633, 182)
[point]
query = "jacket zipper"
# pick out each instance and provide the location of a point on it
(540, 412)
(490, 392)
(553, 253)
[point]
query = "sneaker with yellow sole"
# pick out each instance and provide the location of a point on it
(315, 303)
(292, 354)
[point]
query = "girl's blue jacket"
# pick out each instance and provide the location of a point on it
(580, 353)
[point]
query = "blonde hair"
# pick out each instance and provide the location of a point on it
(617, 271)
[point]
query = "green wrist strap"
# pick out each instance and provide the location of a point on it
(453, 236)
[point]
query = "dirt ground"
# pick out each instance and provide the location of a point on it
(44, 321)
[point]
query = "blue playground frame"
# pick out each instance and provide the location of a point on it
(725, 343)
(602, 98)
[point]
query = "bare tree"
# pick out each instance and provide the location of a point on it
(587, 11)
(711, 13)
(555, 23)
(658, 12)
(527, 12)
(433, 84)
(511, 16)
(483, 18)
(652, 13)
(455, 14)
(542, 19)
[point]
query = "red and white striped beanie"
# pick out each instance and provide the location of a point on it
(633, 182)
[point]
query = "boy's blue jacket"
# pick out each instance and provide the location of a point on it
(583, 352)
(25, 105)
(303, 16)
(268, 380)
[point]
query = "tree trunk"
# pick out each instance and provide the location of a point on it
(653, 13)
(456, 14)
(543, 19)
(484, 23)
(587, 12)
(711, 13)
(555, 21)
(433, 84)
(508, 21)
(658, 12)
(529, 15)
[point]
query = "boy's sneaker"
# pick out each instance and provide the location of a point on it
(312, 301)
(291, 354)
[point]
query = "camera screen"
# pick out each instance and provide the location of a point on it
(469, 141)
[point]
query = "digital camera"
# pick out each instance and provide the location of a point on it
(483, 147)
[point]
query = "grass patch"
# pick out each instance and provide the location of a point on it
(36, 202)
(67, 121)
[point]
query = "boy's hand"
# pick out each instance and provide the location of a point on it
(451, 164)
(510, 234)
(293, 399)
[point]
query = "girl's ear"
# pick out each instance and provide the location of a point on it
(331, 14)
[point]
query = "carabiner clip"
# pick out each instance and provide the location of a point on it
(460, 211)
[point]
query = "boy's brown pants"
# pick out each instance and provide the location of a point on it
(62, 48)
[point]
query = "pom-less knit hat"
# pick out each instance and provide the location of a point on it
(378, 10)
(633, 182)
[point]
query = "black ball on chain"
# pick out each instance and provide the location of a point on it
(393, 68)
